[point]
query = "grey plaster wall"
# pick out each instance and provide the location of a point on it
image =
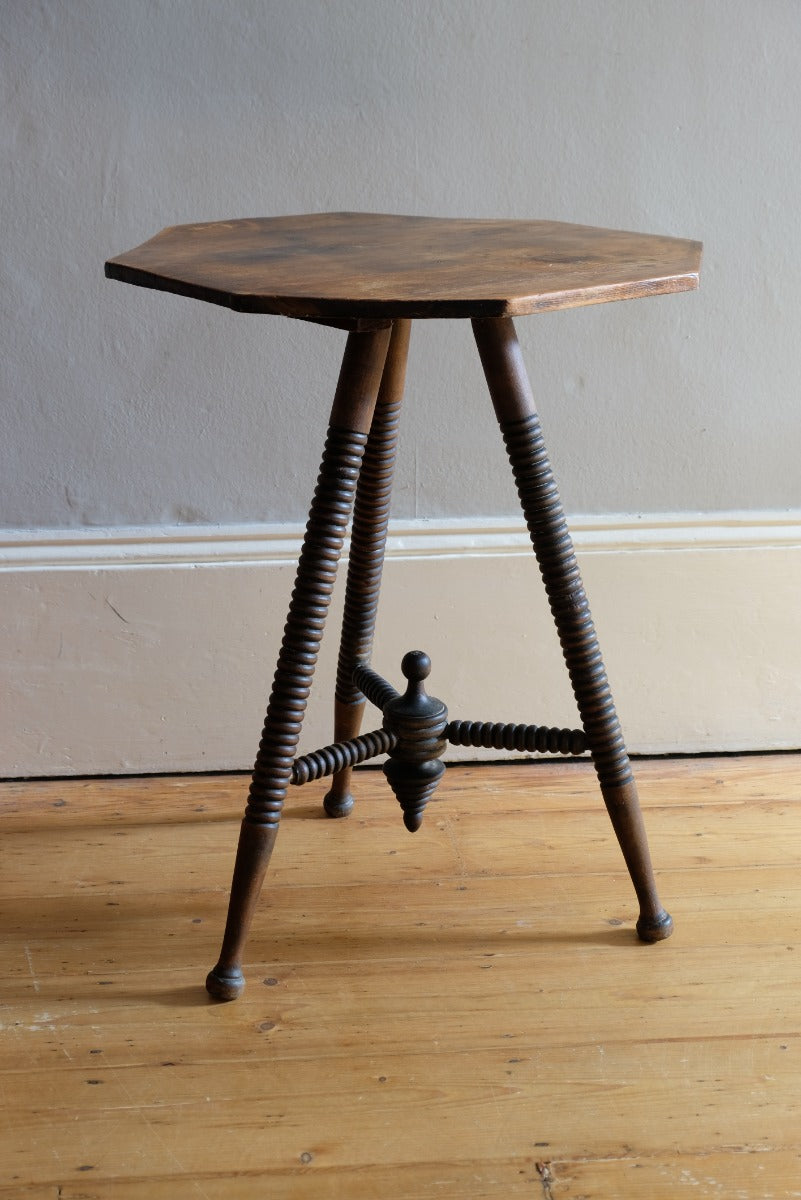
(118, 117)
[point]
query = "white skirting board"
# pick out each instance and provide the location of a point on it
(144, 650)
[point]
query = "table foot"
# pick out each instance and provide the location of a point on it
(339, 804)
(225, 984)
(655, 929)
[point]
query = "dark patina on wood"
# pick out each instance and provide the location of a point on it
(366, 559)
(346, 267)
(370, 274)
(415, 730)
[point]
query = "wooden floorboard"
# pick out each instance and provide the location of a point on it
(462, 1013)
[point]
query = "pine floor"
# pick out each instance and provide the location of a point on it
(460, 1013)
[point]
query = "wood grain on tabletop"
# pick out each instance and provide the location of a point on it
(341, 266)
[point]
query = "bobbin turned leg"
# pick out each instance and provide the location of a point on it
(351, 416)
(514, 407)
(368, 538)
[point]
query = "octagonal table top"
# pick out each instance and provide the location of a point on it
(345, 267)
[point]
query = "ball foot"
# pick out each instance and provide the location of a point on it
(655, 929)
(225, 983)
(338, 805)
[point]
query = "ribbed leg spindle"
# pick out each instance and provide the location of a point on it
(325, 534)
(542, 506)
(366, 560)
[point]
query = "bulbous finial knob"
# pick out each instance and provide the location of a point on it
(416, 666)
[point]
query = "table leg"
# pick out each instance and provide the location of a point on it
(351, 417)
(367, 542)
(514, 407)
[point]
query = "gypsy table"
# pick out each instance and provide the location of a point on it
(371, 275)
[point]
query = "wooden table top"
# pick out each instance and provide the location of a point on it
(341, 266)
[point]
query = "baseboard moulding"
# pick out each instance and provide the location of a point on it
(149, 649)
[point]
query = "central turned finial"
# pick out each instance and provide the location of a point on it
(418, 721)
